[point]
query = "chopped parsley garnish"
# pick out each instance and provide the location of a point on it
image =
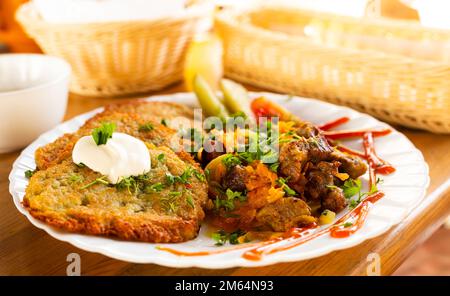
(161, 157)
(199, 176)
(157, 187)
(228, 203)
(129, 183)
(174, 193)
(262, 152)
(164, 122)
(75, 178)
(171, 179)
(221, 237)
(274, 167)
(103, 133)
(235, 194)
(170, 203)
(133, 183)
(146, 127)
(353, 187)
(186, 175)
(353, 203)
(247, 156)
(29, 173)
(100, 180)
(183, 178)
(81, 165)
(347, 224)
(229, 160)
(207, 173)
(190, 201)
(282, 182)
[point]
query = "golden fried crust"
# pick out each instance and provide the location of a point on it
(157, 110)
(128, 118)
(58, 196)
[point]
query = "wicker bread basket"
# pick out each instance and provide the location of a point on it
(400, 87)
(118, 58)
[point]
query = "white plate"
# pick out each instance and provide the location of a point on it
(404, 190)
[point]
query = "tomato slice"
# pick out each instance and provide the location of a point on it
(262, 107)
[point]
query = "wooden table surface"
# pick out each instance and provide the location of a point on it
(26, 250)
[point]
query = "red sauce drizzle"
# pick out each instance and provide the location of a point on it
(357, 216)
(332, 124)
(335, 135)
(380, 166)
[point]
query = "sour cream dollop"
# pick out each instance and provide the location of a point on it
(122, 156)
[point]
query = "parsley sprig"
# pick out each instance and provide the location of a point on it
(282, 182)
(353, 187)
(76, 178)
(96, 181)
(129, 183)
(103, 133)
(228, 203)
(147, 127)
(157, 187)
(230, 160)
(171, 201)
(182, 179)
(29, 173)
(221, 237)
(190, 201)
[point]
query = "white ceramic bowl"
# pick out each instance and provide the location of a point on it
(33, 97)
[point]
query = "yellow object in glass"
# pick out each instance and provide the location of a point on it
(204, 57)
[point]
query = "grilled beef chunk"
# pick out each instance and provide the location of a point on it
(284, 214)
(321, 185)
(352, 165)
(334, 200)
(235, 179)
(306, 129)
(295, 155)
(310, 165)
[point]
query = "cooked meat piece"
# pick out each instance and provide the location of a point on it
(235, 179)
(284, 214)
(350, 164)
(320, 178)
(334, 200)
(319, 149)
(321, 186)
(306, 129)
(294, 156)
(59, 197)
(128, 123)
